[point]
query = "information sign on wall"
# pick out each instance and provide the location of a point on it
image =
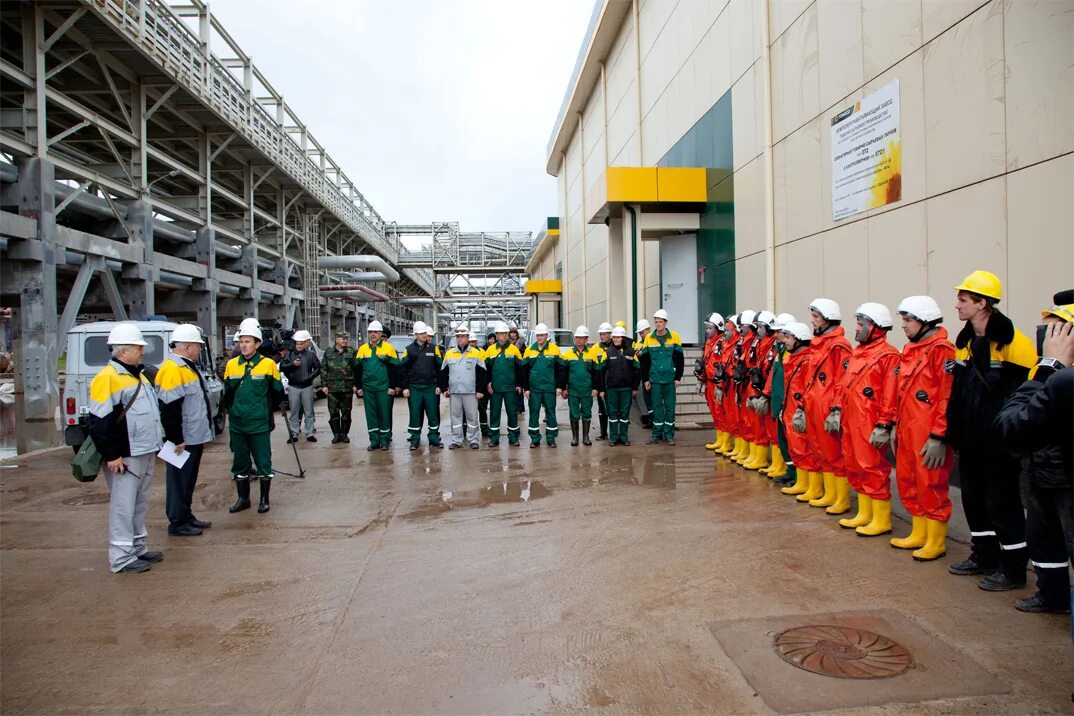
(867, 154)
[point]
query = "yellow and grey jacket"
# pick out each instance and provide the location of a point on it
(138, 432)
(185, 411)
(463, 371)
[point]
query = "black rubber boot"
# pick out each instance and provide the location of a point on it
(574, 433)
(344, 430)
(334, 424)
(242, 487)
(263, 506)
(603, 427)
(585, 432)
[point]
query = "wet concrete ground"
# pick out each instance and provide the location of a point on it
(497, 581)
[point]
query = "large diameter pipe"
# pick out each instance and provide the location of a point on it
(353, 287)
(370, 262)
(416, 301)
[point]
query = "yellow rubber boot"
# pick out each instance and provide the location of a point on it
(800, 486)
(917, 537)
(747, 450)
(864, 516)
(715, 442)
(741, 447)
(828, 498)
(758, 457)
(725, 446)
(816, 488)
(935, 541)
(778, 466)
(733, 446)
(842, 497)
(880, 524)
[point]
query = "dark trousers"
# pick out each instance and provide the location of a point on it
(792, 472)
(179, 488)
(992, 502)
(602, 413)
(483, 414)
(1049, 514)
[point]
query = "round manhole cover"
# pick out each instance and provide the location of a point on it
(843, 652)
(94, 498)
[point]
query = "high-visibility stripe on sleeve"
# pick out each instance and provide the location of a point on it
(1050, 565)
(1009, 547)
(989, 533)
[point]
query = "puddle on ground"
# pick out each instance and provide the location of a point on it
(494, 493)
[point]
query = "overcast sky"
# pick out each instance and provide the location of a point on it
(439, 110)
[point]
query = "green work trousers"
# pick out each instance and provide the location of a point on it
(499, 402)
(483, 414)
(782, 437)
(378, 417)
(248, 450)
(580, 405)
(663, 410)
(424, 404)
(543, 399)
(618, 401)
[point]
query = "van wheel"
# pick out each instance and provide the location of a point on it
(218, 423)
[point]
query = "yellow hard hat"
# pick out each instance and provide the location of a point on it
(621, 324)
(983, 283)
(1065, 312)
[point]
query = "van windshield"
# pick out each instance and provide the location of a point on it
(97, 353)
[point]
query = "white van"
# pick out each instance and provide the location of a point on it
(88, 352)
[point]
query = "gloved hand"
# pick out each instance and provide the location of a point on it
(880, 437)
(798, 421)
(834, 422)
(750, 404)
(719, 395)
(760, 404)
(935, 454)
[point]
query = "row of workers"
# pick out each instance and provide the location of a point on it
(783, 392)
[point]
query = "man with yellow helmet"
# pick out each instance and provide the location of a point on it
(992, 358)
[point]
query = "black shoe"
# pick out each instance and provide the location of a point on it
(187, 530)
(585, 433)
(151, 557)
(138, 565)
(311, 438)
(653, 441)
(494, 444)
(413, 447)
(969, 566)
(200, 524)
(263, 505)
(344, 438)
(240, 505)
(385, 447)
(513, 443)
(336, 439)
(243, 502)
(625, 443)
(670, 441)
(453, 446)
(474, 446)
(1000, 582)
(438, 446)
(292, 439)
(552, 444)
(371, 448)
(534, 445)
(1037, 605)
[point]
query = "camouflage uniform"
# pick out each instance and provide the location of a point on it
(337, 375)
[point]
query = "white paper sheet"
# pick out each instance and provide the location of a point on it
(167, 454)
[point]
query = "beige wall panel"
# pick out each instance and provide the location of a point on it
(1040, 229)
(573, 161)
(938, 15)
(653, 15)
(654, 131)
(628, 155)
(621, 126)
(596, 247)
(784, 12)
(744, 30)
(619, 70)
(749, 284)
(891, 30)
(749, 209)
(964, 139)
(796, 76)
(747, 116)
(712, 61)
(967, 230)
(846, 267)
(898, 261)
(595, 316)
(656, 73)
(593, 124)
(650, 301)
(839, 33)
(800, 275)
(803, 177)
(779, 190)
(594, 168)
(1038, 40)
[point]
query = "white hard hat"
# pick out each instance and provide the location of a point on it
(375, 326)
(540, 329)
(187, 333)
(471, 334)
(747, 317)
(250, 323)
(799, 330)
(766, 317)
(827, 308)
(235, 337)
(782, 320)
(878, 313)
(126, 334)
(250, 330)
(302, 336)
(923, 308)
(733, 319)
(619, 331)
(604, 328)
(661, 313)
(462, 331)
(500, 327)
(581, 332)
(420, 328)
(716, 320)
(643, 325)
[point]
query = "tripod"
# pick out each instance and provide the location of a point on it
(301, 473)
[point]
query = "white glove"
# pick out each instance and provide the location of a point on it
(880, 438)
(719, 395)
(834, 422)
(798, 421)
(761, 405)
(935, 454)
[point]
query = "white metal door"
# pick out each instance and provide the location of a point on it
(678, 284)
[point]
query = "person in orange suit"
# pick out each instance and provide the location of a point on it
(724, 395)
(797, 363)
(867, 402)
(761, 359)
(831, 356)
(740, 385)
(923, 459)
(709, 357)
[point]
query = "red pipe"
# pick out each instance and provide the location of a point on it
(380, 297)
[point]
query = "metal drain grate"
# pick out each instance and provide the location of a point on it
(843, 652)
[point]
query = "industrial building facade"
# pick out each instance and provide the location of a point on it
(753, 92)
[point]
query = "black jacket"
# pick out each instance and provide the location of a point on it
(302, 375)
(421, 365)
(1039, 418)
(622, 370)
